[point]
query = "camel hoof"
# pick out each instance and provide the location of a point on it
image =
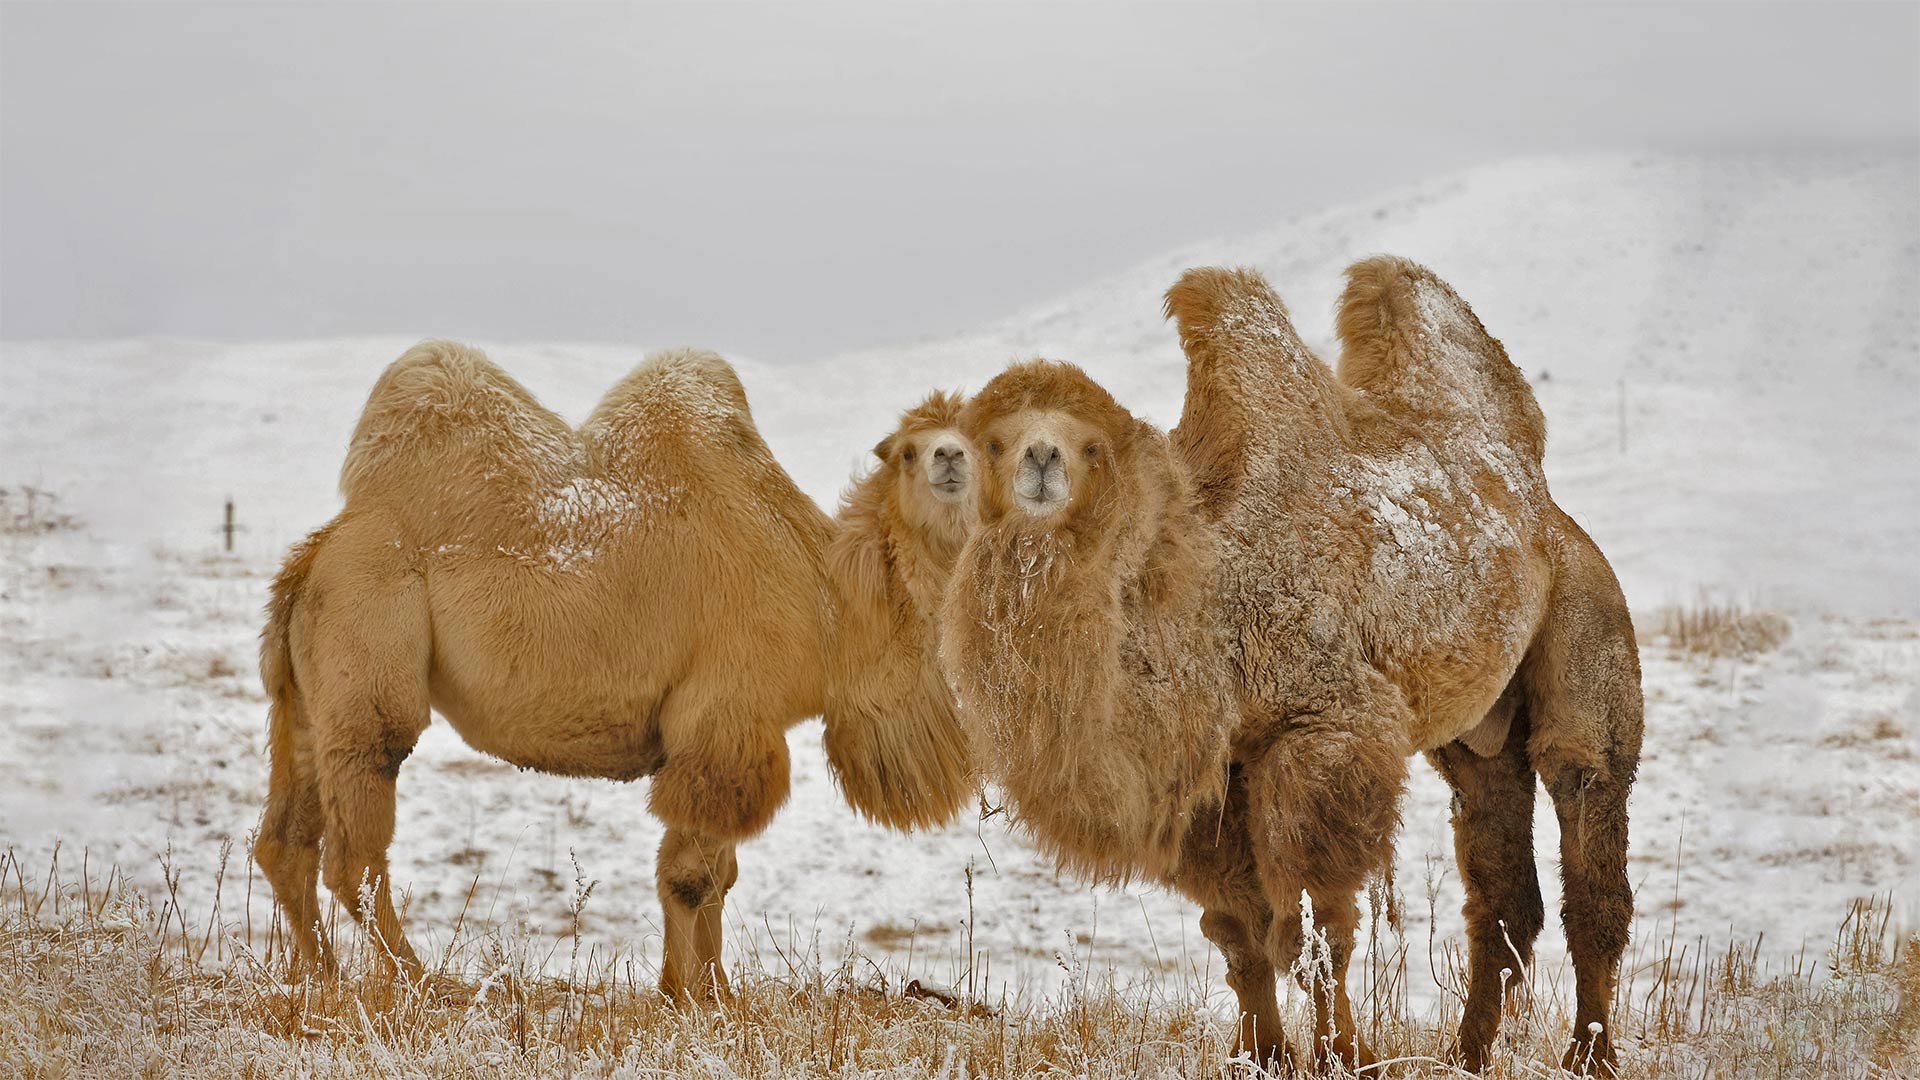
(1469, 1055)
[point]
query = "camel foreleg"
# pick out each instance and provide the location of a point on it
(693, 874)
(1324, 801)
(1241, 939)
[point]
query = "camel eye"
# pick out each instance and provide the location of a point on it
(994, 448)
(907, 455)
(1092, 451)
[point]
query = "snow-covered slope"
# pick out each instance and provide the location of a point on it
(1760, 319)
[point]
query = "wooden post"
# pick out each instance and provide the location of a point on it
(228, 527)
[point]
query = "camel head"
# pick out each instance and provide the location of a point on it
(1055, 444)
(932, 470)
(1061, 459)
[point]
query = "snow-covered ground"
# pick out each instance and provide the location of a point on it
(1728, 355)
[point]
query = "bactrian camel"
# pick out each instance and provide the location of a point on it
(1205, 659)
(646, 596)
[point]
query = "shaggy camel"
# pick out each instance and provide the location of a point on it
(895, 745)
(1206, 658)
(645, 596)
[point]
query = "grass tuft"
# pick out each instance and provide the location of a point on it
(1722, 630)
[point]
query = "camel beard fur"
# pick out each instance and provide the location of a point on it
(1090, 673)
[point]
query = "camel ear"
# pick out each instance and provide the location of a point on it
(884, 449)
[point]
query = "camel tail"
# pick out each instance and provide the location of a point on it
(276, 646)
(1407, 337)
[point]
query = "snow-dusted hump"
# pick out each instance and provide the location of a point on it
(1410, 341)
(674, 403)
(1254, 389)
(462, 454)
(446, 411)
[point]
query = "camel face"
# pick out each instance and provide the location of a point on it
(1053, 443)
(947, 467)
(1043, 463)
(934, 481)
(936, 472)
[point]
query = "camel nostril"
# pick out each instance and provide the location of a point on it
(1043, 455)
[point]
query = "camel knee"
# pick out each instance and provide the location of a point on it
(694, 870)
(344, 877)
(1247, 961)
(1598, 922)
(1510, 909)
(733, 795)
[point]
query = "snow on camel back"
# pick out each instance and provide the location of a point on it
(444, 411)
(1411, 344)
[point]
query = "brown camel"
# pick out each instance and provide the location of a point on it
(1206, 658)
(896, 747)
(645, 596)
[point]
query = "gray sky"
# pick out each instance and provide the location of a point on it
(784, 182)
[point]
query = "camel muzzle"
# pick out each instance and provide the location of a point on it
(948, 471)
(1040, 479)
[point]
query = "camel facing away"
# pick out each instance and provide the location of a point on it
(645, 596)
(1205, 659)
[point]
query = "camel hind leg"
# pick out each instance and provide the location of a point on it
(287, 847)
(1493, 841)
(368, 694)
(1582, 683)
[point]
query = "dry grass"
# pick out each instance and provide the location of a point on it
(97, 979)
(1721, 630)
(30, 511)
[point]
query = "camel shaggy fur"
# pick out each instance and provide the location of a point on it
(1206, 658)
(892, 738)
(642, 597)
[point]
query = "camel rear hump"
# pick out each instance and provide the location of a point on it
(445, 422)
(1410, 342)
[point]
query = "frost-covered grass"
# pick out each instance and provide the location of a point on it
(98, 978)
(1721, 629)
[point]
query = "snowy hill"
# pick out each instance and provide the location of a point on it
(1761, 317)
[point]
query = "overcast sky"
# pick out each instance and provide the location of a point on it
(784, 182)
